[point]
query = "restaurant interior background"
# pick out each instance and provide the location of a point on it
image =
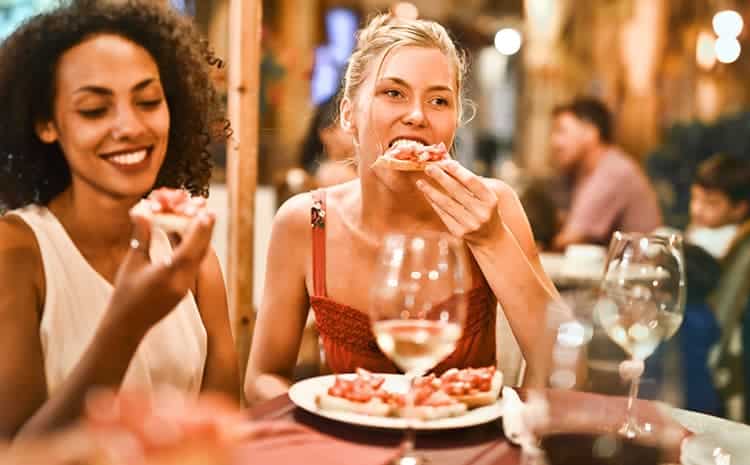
(677, 85)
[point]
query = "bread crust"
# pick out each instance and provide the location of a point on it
(374, 407)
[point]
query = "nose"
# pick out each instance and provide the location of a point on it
(415, 115)
(127, 123)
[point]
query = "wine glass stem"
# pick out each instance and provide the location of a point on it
(631, 426)
(407, 445)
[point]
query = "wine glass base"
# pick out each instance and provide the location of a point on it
(411, 459)
(632, 430)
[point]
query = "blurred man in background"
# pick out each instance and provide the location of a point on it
(610, 192)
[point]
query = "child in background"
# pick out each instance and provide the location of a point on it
(699, 332)
(719, 203)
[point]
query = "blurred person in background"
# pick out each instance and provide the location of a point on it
(720, 224)
(610, 192)
(719, 203)
(328, 150)
(699, 331)
(106, 102)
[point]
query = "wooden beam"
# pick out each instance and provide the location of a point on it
(242, 164)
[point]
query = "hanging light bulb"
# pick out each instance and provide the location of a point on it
(508, 41)
(727, 23)
(727, 49)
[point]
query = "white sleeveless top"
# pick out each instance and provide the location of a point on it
(173, 352)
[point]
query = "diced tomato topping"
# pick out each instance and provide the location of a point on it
(179, 201)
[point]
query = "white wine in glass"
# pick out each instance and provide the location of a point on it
(418, 306)
(415, 346)
(643, 300)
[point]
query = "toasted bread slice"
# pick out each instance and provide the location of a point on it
(374, 407)
(422, 155)
(401, 165)
(171, 222)
(429, 412)
(483, 398)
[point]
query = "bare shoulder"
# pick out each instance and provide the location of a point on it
(17, 236)
(20, 257)
(294, 214)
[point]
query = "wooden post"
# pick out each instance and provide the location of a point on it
(242, 164)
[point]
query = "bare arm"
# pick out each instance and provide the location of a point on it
(143, 294)
(23, 391)
(488, 216)
(23, 386)
(515, 218)
(514, 272)
(222, 372)
(285, 304)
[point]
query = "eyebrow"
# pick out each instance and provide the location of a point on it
(105, 91)
(405, 84)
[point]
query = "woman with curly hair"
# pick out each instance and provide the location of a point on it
(105, 101)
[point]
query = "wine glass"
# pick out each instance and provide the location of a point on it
(643, 301)
(418, 307)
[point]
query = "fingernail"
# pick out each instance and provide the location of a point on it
(430, 170)
(420, 184)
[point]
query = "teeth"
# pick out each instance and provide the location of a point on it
(129, 158)
(399, 142)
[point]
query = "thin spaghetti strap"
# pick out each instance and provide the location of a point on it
(318, 223)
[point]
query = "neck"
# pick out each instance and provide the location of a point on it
(395, 204)
(92, 219)
(591, 160)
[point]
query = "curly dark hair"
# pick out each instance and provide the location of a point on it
(34, 172)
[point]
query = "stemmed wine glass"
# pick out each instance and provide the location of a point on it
(418, 307)
(643, 301)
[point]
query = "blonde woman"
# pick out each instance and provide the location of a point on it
(404, 81)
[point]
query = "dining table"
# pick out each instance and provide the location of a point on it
(482, 444)
(573, 415)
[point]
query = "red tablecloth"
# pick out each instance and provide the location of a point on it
(571, 412)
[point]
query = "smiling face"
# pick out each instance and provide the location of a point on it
(413, 97)
(110, 116)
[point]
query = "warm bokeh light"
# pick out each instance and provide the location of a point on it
(727, 23)
(705, 50)
(727, 49)
(508, 41)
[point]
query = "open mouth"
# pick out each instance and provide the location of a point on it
(128, 158)
(407, 141)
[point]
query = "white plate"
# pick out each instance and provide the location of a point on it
(303, 395)
(717, 448)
